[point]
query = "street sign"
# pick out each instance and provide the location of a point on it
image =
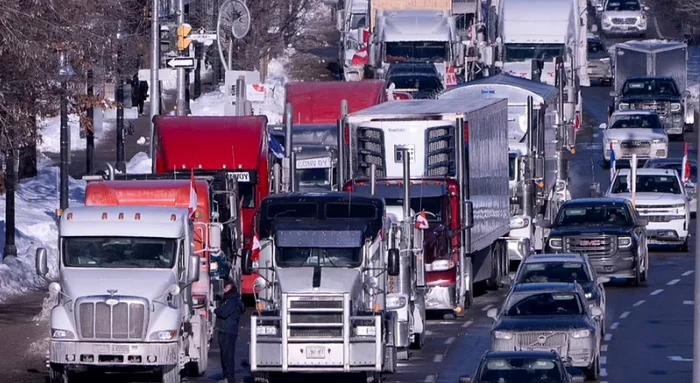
(202, 37)
(182, 62)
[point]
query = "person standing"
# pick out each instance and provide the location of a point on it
(143, 93)
(229, 316)
(135, 90)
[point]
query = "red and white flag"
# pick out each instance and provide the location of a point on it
(421, 221)
(193, 195)
(255, 249)
(685, 176)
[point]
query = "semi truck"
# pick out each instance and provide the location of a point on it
(459, 165)
(653, 75)
(125, 295)
(322, 302)
(535, 140)
(236, 146)
(353, 25)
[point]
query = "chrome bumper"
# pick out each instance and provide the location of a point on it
(518, 248)
(114, 354)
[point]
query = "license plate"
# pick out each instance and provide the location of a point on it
(120, 348)
(315, 352)
(100, 348)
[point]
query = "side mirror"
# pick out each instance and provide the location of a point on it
(544, 223)
(393, 263)
(603, 126)
(596, 311)
(603, 279)
(42, 262)
(465, 379)
(247, 265)
(492, 313)
(193, 269)
(642, 222)
(215, 237)
(468, 214)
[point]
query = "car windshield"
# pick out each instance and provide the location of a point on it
(595, 47)
(617, 6)
(650, 87)
(407, 51)
(544, 304)
(677, 167)
(648, 184)
(639, 121)
(593, 215)
(431, 205)
(521, 370)
(311, 256)
(119, 252)
(419, 84)
(512, 160)
(545, 272)
(522, 52)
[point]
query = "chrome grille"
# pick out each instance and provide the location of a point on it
(593, 245)
(315, 317)
(635, 144)
(370, 148)
(663, 218)
(440, 146)
(677, 206)
(660, 108)
(124, 320)
(537, 340)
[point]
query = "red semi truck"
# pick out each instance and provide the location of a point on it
(237, 146)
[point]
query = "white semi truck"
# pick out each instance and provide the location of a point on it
(353, 25)
(125, 293)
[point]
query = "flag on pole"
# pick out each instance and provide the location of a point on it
(421, 221)
(255, 250)
(685, 168)
(612, 162)
(193, 195)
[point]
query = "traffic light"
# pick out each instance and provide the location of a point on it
(182, 32)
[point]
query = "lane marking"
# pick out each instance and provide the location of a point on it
(639, 303)
(604, 348)
(615, 325)
(429, 379)
(467, 323)
(658, 31)
(450, 340)
(603, 360)
(487, 308)
(624, 315)
(603, 372)
(687, 273)
(657, 292)
(673, 282)
(689, 303)
(679, 359)
(608, 337)
(437, 358)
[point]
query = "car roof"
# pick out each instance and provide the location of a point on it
(649, 171)
(633, 113)
(539, 258)
(545, 287)
(596, 201)
(520, 354)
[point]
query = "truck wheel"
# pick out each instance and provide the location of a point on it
(684, 246)
(58, 374)
(261, 377)
(374, 377)
(493, 282)
(171, 374)
(468, 299)
(418, 342)
(593, 371)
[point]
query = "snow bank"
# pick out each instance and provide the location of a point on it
(36, 202)
(50, 130)
(140, 163)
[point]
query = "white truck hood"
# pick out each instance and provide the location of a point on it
(149, 283)
(634, 134)
(299, 280)
(652, 198)
(622, 14)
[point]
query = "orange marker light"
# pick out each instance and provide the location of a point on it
(121, 215)
(377, 307)
(137, 216)
(69, 216)
(573, 151)
(104, 215)
(173, 217)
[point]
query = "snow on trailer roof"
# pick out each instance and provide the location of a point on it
(318, 102)
(415, 25)
(516, 89)
(423, 107)
(651, 45)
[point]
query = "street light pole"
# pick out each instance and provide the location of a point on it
(121, 165)
(155, 82)
(181, 79)
(90, 133)
(65, 138)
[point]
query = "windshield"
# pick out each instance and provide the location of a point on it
(544, 304)
(522, 52)
(640, 121)
(424, 84)
(565, 272)
(119, 252)
(677, 168)
(512, 162)
(358, 20)
(318, 177)
(403, 51)
(629, 5)
(431, 205)
(650, 87)
(521, 370)
(595, 47)
(594, 215)
(326, 257)
(648, 184)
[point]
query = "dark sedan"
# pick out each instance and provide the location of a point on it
(521, 367)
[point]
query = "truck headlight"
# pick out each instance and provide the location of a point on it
(365, 331)
(164, 335)
(266, 330)
(578, 334)
(589, 295)
(624, 242)
(519, 222)
(395, 302)
(658, 141)
(675, 107)
(442, 265)
(555, 243)
(61, 334)
(502, 335)
(213, 266)
(623, 106)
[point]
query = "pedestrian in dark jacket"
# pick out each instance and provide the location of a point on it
(143, 93)
(229, 316)
(135, 90)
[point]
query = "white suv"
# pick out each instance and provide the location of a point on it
(634, 132)
(661, 199)
(623, 17)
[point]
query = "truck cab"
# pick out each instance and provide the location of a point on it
(125, 299)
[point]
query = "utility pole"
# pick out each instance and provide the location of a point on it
(182, 45)
(121, 164)
(64, 73)
(90, 133)
(155, 82)
(11, 169)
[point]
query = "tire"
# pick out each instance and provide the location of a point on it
(494, 282)
(374, 377)
(390, 357)
(170, 374)
(261, 377)
(58, 374)
(418, 342)
(684, 246)
(606, 164)
(593, 372)
(468, 298)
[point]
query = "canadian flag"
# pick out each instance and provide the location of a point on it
(193, 195)
(421, 221)
(450, 77)
(255, 249)
(685, 165)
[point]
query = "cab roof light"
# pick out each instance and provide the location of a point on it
(137, 216)
(104, 215)
(121, 215)
(173, 217)
(69, 216)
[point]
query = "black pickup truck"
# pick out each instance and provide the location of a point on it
(659, 94)
(609, 230)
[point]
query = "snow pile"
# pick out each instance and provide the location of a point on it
(50, 130)
(209, 104)
(140, 163)
(36, 202)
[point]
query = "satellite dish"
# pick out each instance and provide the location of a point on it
(233, 23)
